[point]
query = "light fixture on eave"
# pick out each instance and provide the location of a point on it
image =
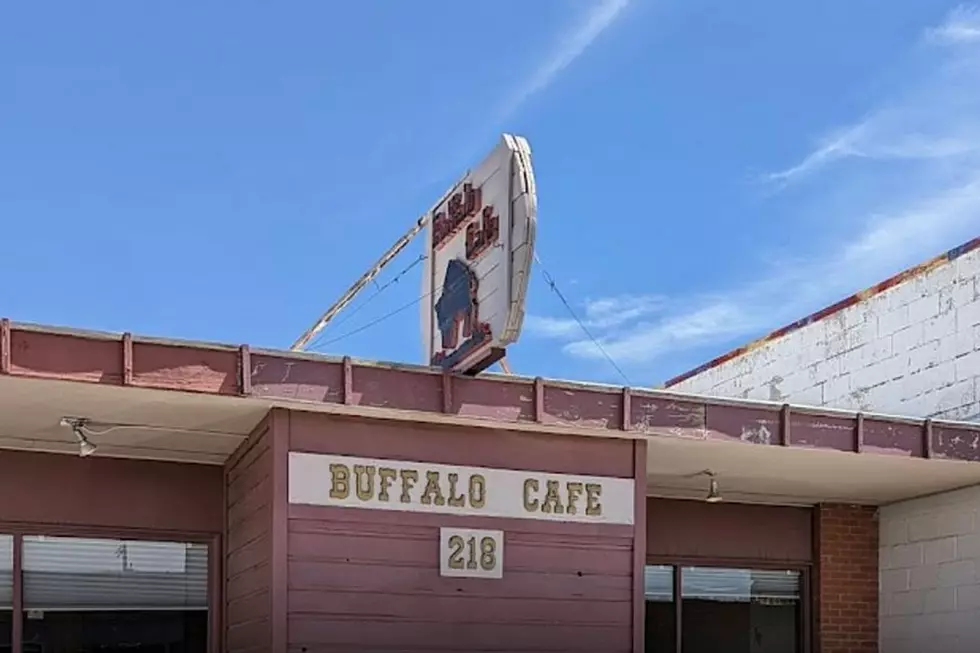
(77, 426)
(714, 494)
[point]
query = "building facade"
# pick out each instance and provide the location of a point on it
(910, 346)
(196, 497)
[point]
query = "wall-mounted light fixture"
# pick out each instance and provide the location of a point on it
(77, 426)
(714, 495)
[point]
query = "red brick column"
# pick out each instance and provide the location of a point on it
(846, 579)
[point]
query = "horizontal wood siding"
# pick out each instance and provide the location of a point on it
(248, 561)
(368, 580)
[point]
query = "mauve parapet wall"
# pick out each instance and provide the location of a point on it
(508, 401)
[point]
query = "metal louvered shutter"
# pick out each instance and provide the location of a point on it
(64, 573)
(740, 585)
(658, 583)
(6, 572)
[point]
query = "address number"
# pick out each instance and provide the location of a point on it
(467, 553)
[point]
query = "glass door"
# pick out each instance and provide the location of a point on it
(725, 610)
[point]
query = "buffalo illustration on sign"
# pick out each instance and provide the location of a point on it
(480, 246)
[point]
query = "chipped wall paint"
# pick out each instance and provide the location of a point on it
(909, 345)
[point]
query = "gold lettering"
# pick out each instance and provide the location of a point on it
(387, 476)
(456, 498)
(552, 502)
(409, 478)
(433, 493)
(574, 492)
(592, 493)
(339, 481)
(364, 482)
(478, 491)
(530, 485)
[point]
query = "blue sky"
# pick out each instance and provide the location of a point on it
(707, 171)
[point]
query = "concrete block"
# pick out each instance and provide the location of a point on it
(967, 366)
(937, 551)
(906, 603)
(893, 321)
(956, 521)
(940, 600)
(957, 572)
(896, 580)
(923, 308)
(905, 556)
(924, 577)
(968, 597)
(968, 315)
(908, 337)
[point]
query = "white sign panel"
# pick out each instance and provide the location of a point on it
(328, 480)
(480, 246)
(469, 553)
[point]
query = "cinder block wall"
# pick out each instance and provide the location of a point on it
(846, 583)
(913, 349)
(930, 590)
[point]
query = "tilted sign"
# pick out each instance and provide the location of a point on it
(480, 246)
(343, 481)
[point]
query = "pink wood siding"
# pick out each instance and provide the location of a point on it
(63, 492)
(248, 563)
(367, 580)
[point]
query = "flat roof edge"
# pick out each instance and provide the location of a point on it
(407, 392)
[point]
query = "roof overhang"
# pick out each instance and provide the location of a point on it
(196, 402)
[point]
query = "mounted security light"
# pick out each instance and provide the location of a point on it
(77, 425)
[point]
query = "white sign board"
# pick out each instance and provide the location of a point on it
(470, 553)
(344, 481)
(479, 250)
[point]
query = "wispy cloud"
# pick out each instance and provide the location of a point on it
(928, 133)
(569, 46)
(600, 315)
(935, 118)
(962, 26)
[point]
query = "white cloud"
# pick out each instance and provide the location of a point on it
(569, 47)
(962, 26)
(930, 202)
(600, 314)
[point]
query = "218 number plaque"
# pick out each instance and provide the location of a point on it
(467, 553)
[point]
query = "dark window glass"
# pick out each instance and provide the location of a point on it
(660, 615)
(740, 610)
(99, 595)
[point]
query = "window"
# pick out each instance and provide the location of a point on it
(727, 610)
(113, 595)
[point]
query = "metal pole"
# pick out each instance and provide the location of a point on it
(348, 296)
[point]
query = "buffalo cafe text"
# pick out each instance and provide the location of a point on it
(318, 479)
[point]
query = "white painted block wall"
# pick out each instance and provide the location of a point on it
(929, 589)
(913, 350)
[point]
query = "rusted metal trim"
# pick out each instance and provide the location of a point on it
(785, 437)
(245, 370)
(17, 634)
(927, 451)
(348, 391)
(5, 349)
(127, 358)
(859, 433)
(447, 392)
(538, 399)
(627, 423)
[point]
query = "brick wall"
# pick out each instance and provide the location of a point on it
(846, 583)
(930, 591)
(913, 349)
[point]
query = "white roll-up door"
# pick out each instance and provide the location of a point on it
(63, 573)
(6, 572)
